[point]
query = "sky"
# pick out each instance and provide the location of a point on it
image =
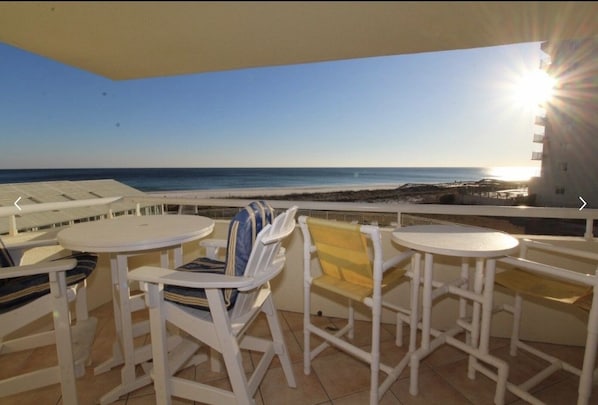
(453, 108)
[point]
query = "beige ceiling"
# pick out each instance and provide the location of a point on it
(127, 40)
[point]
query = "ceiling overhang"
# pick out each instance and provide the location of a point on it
(131, 40)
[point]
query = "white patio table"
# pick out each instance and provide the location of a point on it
(480, 244)
(123, 237)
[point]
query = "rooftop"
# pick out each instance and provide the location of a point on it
(29, 194)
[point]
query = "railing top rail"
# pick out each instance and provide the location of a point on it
(476, 210)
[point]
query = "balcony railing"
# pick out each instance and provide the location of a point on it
(374, 212)
(385, 214)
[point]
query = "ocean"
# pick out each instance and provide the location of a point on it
(183, 179)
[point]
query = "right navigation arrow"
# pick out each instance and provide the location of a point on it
(584, 203)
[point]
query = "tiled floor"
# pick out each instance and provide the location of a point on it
(336, 377)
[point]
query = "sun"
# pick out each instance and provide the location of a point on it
(534, 88)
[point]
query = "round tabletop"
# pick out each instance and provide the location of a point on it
(456, 240)
(135, 233)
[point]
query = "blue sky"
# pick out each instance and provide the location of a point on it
(452, 108)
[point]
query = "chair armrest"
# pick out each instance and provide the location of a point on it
(547, 247)
(553, 271)
(397, 259)
(38, 268)
(212, 246)
(159, 275)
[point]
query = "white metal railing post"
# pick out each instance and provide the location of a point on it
(12, 225)
(589, 235)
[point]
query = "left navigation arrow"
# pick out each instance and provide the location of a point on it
(16, 203)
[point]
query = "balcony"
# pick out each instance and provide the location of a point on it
(545, 63)
(540, 120)
(444, 375)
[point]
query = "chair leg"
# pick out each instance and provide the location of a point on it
(233, 359)
(351, 320)
(375, 352)
(161, 372)
(399, 341)
(589, 361)
(306, 333)
(62, 330)
(278, 340)
(81, 310)
(517, 308)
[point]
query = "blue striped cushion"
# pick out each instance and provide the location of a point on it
(18, 291)
(242, 231)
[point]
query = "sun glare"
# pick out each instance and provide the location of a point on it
(513, 173)
(534, 87)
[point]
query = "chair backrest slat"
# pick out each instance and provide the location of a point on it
(266, 259)
(242, 234)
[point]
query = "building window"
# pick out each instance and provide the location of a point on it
(563, 166)
(559, 190)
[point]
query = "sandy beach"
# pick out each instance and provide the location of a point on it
(262, 191)
(446, 193)
(440, 193)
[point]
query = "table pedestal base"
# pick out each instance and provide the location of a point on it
(476, 326)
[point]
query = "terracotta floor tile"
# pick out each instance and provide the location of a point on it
(309, 390)
(442, 375)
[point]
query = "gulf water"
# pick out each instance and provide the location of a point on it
(179, 179)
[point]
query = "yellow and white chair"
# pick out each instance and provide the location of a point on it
(351, 266)
(217, 308)
(30, 292)
(545, 281)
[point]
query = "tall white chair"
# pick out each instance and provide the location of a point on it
(217, 308)
(543, 280)
(30, 292)
(351, 266)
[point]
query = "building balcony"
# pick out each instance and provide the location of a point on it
(545, 64)
(540, 120)
(288, 295)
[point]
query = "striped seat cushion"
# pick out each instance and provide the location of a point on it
(18, 291)
(242, 232)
